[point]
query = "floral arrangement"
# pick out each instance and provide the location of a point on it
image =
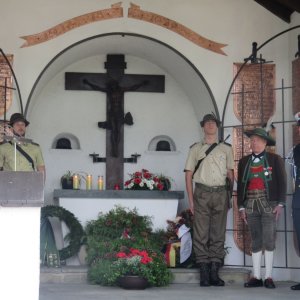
(183, 222)
(186, 217)
(137, 262)
(148, 264)
(145, 180)
(121, 242)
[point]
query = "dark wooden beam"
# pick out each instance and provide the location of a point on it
(291, 4)
(280, 10)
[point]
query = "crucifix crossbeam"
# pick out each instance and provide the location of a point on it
(115, 83)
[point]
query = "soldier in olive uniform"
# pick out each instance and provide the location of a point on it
(29, 158)
(209, 163)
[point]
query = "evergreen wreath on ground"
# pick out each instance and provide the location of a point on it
(76, 234)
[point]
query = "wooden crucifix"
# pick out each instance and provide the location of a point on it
(115, 83)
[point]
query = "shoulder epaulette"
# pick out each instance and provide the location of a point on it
(193, 145)
(227, 144)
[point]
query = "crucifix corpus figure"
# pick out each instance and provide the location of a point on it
(115, 83)
(115, 110)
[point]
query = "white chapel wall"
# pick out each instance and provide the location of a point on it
(234, 22)
(78, 112)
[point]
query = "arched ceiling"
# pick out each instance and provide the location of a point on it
(156, 52)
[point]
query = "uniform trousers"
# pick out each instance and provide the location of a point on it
(210, 216)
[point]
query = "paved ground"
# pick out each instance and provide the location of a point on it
(71, 291)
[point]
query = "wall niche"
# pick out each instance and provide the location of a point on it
(66, 141)
(162, 143)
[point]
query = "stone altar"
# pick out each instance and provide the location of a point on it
(87, 204)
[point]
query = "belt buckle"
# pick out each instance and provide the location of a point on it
(214, 189)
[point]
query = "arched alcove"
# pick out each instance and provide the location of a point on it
(66, 137)
(187, 95)
(155, 143)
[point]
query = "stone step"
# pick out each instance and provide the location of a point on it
(78, 274)
(229, 275)
(65, 274)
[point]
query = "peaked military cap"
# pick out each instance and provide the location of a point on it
(210, 117)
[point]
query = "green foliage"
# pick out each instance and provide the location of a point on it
(118, 231)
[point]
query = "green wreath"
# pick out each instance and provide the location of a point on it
(76, 234)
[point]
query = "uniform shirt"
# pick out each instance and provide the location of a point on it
(213, 169)
(7, 157)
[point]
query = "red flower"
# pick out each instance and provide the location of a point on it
(155, 179)
(147, 175)
(137, 180)
(144, 253)
(137, 174)
(134, 251)
(144, 256)
(121, 255)
(146, 260)
(160, 186)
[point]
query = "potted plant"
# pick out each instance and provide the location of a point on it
(67, 179)
(121, 246)
(136, 269)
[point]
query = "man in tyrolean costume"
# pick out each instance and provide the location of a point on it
(261, 193)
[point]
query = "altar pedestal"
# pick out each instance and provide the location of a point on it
(87, 204)
(21, 196)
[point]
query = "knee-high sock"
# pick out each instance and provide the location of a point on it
(256, 260)
(269, 263)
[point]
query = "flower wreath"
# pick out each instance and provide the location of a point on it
(76, 234)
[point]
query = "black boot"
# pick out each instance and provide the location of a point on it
(204, 274)
(214, 278)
